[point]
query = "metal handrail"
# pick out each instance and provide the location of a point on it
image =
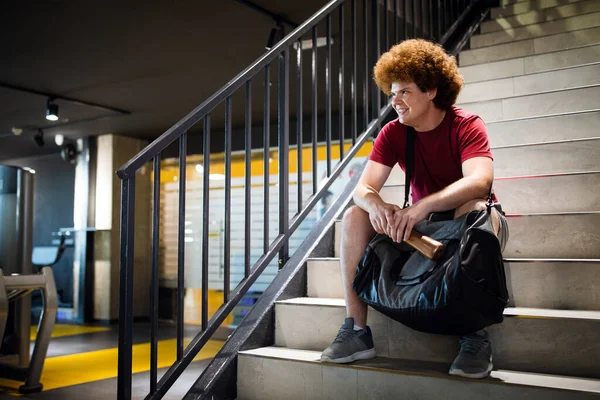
(231, 87)
(374, 111)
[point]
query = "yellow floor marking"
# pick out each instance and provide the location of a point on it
(75, 369)
(61, 330)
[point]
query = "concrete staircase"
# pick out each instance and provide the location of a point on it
(533, 74)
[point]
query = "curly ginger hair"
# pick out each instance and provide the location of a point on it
(424, 63)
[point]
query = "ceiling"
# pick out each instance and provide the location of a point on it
(155, 59)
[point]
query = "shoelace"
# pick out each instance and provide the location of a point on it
(473, 346)
(343, 335)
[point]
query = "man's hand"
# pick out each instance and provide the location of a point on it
(380, 216)
(401, 223)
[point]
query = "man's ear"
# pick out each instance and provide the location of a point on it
(432, 93)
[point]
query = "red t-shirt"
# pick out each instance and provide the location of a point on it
(439, 153)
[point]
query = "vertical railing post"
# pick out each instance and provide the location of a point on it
(314, 110)
(284, 144)
(376, 16)
(367, 64)
(299, 125)
(328, 92)
(437, 18)
(154, 285)
(248, 180)
(396, 18)
(181, 244)
(404, 19)
(413, 13)
(205, 218)
(421, 19)
(386, 32)
(430, 29)
(266, 157)
(227, 235)
(354, 71)
(126, 288)
(341, 83)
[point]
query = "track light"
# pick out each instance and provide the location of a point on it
(51, 111)
(38, 139)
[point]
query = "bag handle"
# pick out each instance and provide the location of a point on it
(410, 159)
(490, 200)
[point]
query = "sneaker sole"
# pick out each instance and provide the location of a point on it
(477, 375)
(360, 355)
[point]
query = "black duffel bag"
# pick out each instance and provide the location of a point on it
(460, 293)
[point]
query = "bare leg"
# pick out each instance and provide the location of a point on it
(357, 231)
(478, 205)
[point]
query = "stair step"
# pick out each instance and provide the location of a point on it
(568, 235)
(551, 128)
(547, 158)
(510, 2)
(550, 194)
(574, 156)
(534, 194)
(531, 64)
(568, 24)
(554, 236)
(284, 373)
(577, 99)
(540, 16)
(564, 78)
(523, 7)
(522, 48)
(543, 341)
(537, 283)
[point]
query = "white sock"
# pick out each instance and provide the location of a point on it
(358, 328)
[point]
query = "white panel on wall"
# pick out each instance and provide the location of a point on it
(193, 228)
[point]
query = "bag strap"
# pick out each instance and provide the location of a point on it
(409, 161)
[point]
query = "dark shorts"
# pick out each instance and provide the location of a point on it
(502, 230)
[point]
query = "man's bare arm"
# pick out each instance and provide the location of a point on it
(478, 174)
(366, 195)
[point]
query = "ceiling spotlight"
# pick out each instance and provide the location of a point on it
(51, 111)
(38, 139)
(59, 139)
(17, 131)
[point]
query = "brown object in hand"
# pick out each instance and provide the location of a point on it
(425, 245)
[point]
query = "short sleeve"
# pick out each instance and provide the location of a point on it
(384, 149)
(474, 140)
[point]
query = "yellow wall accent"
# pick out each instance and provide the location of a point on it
(170, 167)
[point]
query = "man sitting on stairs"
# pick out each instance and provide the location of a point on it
(452, 174)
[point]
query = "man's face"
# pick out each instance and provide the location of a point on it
(410, 103)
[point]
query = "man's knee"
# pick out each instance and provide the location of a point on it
(357, 220)
(354, 214)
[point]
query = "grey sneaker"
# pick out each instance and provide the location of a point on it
(475, 357)
(350, 345)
